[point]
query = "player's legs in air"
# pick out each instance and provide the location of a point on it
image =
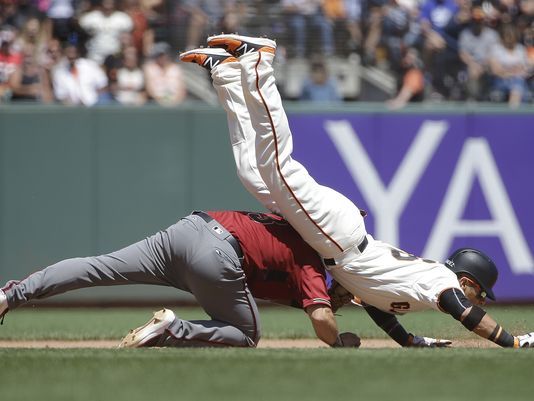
(327, 220)
(242, 137)
(190, 256)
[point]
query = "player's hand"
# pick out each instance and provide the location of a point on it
(347, 340)
(526, 340)
(428, 342)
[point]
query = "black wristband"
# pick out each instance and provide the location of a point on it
(505, 340)
(399, 334)
(390, 324)
(473, 318)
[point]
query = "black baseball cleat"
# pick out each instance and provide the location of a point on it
(238, 45)
(207, 57)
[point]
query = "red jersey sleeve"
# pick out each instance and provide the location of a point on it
(312, 286)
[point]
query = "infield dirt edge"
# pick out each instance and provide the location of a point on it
(267, 343)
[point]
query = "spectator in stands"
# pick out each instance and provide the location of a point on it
(526, 8)
(507, 10)
(163, 77)
(34, 36)
(110, 66)
(412, 83)
(528, 40)
(319, 86)
(159, 18)
(204, 16)
(395, 26)
(52, 57)
(414, 9)
(142, 37)
(436, 15)
(234, 17)
(10, 14)
(77, 80)
(373, 29)
(353, 18)
(510, 66)
(10, 61)
(31, 83)
(475, 44)
(130, 79)
(105, 25)
(414, 36)
(61, 19)
(440, 47)
(304, 16)
(348, 14)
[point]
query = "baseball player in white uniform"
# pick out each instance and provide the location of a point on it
(388, 280)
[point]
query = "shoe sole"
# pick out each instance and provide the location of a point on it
(199, 56)
(232, 42)
(135, 338)
(3, 306)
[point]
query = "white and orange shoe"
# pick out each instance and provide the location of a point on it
(148, 334)
(238, 45)
(3, 305)
(207, 57)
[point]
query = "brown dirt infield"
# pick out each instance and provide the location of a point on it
(268, 343)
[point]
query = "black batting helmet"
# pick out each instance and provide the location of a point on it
(476, 265)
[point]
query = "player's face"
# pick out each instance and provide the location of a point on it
(473, 291)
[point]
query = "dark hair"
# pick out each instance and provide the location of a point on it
(509, 29)
(318, 65)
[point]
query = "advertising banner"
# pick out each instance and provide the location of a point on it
(434, 183)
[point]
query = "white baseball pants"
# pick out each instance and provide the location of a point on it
(262, 145)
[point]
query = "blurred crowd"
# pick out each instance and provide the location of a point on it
(87, 52)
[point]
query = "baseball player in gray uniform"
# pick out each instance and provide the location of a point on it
(223, 258)
(388, 280)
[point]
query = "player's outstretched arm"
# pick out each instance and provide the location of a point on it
(389, 323)
(490, 329)
(325, 326)
(475, 319)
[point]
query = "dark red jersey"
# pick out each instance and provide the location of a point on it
(279, 265)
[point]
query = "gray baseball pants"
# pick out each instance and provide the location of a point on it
(193, 255)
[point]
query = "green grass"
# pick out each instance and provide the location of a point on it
(242, 374)
(103, 323)
(258, 374)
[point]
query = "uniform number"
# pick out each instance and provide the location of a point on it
(399, 307)
(405, 256)
(267, 220)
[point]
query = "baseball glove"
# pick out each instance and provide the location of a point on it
(347, 340)
(339, 296)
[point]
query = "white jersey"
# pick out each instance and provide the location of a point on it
(79, 85)
(105, 31)
(382, 275)
(392, 280)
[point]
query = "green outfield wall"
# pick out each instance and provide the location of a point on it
(78, 181)
(84, 181)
